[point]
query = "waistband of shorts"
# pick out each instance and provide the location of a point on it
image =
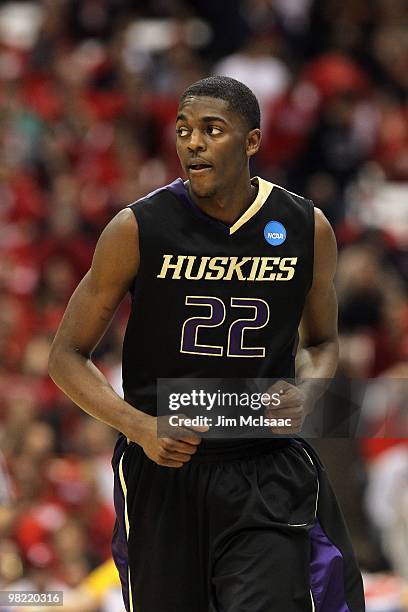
(225, 450)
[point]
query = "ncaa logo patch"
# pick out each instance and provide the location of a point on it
(274, 233)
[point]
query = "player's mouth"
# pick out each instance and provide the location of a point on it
(199, 167)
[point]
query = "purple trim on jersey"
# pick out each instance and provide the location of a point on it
(119, 541)
(326, 573)
(178, 187)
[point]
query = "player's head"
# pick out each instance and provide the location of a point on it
(217, 124)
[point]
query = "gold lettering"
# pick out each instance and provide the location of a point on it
(224, 268)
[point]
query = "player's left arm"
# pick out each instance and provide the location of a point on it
(317, 355)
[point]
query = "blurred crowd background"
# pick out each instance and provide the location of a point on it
(88, 95)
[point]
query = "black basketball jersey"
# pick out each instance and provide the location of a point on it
(212, 300)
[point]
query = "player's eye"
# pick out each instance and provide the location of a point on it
(213, 130)
(182, 131)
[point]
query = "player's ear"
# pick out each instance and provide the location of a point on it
(253, 142)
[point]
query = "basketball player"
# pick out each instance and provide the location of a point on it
(222, 270)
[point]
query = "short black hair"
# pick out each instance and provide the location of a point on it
(239, 97)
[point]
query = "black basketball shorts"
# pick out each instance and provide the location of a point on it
(252, 529)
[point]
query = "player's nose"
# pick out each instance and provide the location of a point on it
(196, 142)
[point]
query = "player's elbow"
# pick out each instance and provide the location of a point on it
(65, 357)
(59, 361)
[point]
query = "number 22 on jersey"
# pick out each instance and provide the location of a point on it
(259, 309)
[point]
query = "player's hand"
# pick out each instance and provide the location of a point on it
(294, 406)
(172, 451)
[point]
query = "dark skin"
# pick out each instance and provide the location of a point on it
(208, 133)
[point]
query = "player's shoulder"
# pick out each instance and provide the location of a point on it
(121, 226)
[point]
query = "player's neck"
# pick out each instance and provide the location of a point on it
(227, 206)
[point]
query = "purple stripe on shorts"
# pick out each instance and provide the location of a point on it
(326, 573)
(119, 540)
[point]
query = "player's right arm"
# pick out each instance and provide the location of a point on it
(87, 317)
